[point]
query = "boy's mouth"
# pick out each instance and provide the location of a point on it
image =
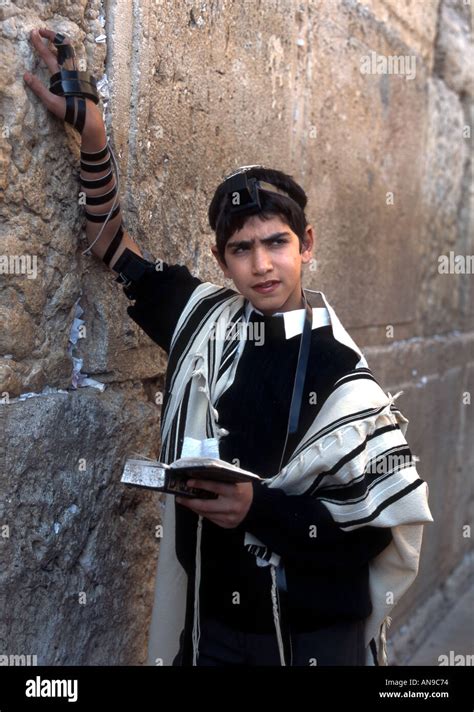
(264, 287)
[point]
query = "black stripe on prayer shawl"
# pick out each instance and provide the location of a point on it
(353, 375)
(336, 424)
(358, 489)
(228, 357)
(199, 314)
(230, 330)
(349, 456)
(176, 430)
(171, 439)
(382, 458)
(211, 360)
(175, 436)
(361, 369)
(181, 340)
(353, 453)
(231, 347)
(173, 448)
(200, 311)
(394, 498)
(209, 432)
(172, 433)
(177, 427)
(181, 424)
(211, 363)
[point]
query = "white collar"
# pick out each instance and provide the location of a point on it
(294, 319)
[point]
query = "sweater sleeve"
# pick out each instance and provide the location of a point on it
(301, 530)
(160, 296)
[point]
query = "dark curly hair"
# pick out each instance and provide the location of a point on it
(290, 211)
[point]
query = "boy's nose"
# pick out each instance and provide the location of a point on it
(261, 262)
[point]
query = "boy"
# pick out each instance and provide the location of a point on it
(302, 568)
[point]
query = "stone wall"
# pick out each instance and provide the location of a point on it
(191, 90)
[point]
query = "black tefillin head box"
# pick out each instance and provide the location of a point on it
(243, 193)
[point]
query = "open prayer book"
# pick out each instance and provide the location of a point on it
(172, 478)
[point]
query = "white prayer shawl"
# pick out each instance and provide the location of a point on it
(201, 367)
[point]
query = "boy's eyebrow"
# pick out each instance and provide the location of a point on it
(263, 240)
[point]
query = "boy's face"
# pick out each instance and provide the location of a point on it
(267, 251)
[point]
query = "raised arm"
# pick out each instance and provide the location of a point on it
(99, 184)
(159, 290)
(98, 180)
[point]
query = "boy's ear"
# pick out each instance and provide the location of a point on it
(222, 265)
(308, 246)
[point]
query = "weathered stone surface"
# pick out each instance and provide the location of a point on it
(414, 22)
(194, 90)
(41, 215)
(78, 564)
(454, 49)
(436, 382)
(440, 304)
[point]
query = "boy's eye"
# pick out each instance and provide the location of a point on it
(276, 241)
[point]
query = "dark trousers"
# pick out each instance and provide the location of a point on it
(221, 645)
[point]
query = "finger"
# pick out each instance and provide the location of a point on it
(218, 521)
(48, 34)
(55, 104)
(68, 63)
(203, 506)
(212, 486)
(44, 52)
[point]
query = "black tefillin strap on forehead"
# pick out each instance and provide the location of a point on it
(243, 193)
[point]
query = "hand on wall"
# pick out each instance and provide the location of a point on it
(57, 104)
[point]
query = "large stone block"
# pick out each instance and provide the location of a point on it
(414, 22)
(78, 548)
(455, 49)
(440, 431)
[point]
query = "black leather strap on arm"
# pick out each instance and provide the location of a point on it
(98, 183)
(96, 156)
(131, 267)
(112, 248)
(95, 167)
(73, 83)
(100, 199)
(81, 114)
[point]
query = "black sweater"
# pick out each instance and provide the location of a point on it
(327, 574)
